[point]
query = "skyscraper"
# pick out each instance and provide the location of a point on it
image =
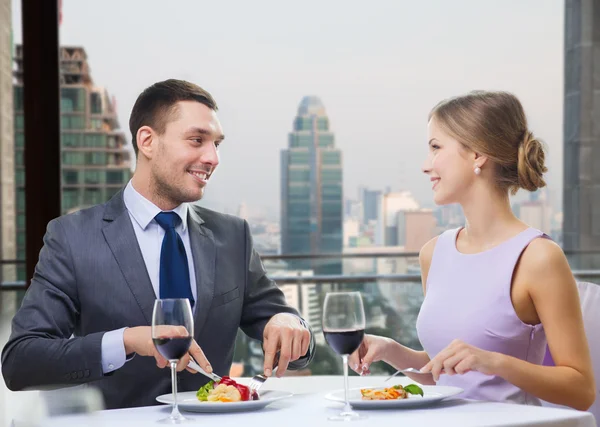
(7, 168)
(311, 190)
(95, 162)
(390, 205)
(371, 201)
(581, 189)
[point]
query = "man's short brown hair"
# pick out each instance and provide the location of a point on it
(156, 105)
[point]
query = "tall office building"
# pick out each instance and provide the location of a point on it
(311, 190)
(8, 248)
(581, 179)
(95, 162)
(371, 202)
(391, 203)
(415, 228)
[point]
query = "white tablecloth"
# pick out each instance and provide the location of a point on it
(308, 408)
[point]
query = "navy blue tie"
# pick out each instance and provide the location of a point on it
(174, 269)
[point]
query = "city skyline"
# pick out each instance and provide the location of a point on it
(378, 85)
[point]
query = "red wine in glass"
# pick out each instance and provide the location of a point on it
(172, 348)
(344, 330)
(172, 334)
(344, 342)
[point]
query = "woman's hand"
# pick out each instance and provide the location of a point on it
(372, 349)
(459, 358)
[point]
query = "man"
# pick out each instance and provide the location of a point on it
(87, 314)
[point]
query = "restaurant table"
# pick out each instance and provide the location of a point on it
(308, 408)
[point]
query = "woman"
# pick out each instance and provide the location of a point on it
(496, 290)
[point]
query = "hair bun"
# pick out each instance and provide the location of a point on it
(531, 167)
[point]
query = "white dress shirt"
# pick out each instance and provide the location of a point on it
(149, 235)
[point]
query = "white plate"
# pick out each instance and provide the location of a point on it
(188, 402)
(431, 395)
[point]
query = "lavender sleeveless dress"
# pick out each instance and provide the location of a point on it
(468, 298)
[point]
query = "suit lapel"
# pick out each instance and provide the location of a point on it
(120, 237)
(204, 253)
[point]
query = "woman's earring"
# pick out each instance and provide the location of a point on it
(477, 170)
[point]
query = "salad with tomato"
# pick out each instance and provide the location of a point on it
(226, 390)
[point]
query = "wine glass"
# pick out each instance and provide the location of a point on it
(172, 332)
(344, 330)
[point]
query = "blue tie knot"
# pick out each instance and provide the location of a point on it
(167, 220)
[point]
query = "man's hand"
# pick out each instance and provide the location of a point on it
(284, 334)
(139, 340)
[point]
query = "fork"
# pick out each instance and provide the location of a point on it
(257, 381)
(409, 370)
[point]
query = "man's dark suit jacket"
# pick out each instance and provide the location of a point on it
(91, 278)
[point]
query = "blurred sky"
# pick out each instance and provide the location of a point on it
(378, 66)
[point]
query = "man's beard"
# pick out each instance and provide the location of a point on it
(173, 193)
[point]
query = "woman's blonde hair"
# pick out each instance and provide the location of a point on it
(494, 124)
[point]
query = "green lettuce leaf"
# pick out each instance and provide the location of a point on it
(413, 389)
(202, 393)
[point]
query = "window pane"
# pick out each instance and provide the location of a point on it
(303, 123)
(95, 103)
(94, 176)
(331, 157)
(299, 157)
(96, 124)
(299, 175)
(20, 177)
(20, 200)
(18, 98)
(95, 158)
(72, 99)
(21, 239)
(114, 177)
(19, 158)
(19, 139)
(70, 198)
(77, 122)
(92, 196)
(322, 123)
(71, 139)
(66, 105)
(325, 140)
(73, 158)
(19, 121)
(72, 121)
(70, 177)
(112, 141)
(95, 140)
(301, 140)
(331, 175)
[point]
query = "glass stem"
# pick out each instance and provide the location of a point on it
(347, 407)
(175, 412)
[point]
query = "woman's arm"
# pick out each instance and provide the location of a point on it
(401, 357)
(545, 274)
(554, 293)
